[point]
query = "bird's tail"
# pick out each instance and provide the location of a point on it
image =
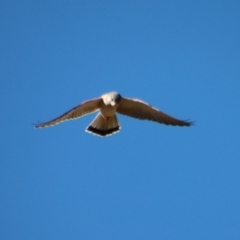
(104, 126)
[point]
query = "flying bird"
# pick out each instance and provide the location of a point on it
(106, 122)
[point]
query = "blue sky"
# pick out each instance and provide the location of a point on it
(149, 181)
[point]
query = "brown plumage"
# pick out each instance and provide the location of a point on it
(106, 122)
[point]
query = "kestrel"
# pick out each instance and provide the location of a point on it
(106, 122)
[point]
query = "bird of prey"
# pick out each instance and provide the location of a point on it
(106, 122)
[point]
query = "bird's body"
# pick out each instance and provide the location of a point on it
(106, 122)
(108, 110)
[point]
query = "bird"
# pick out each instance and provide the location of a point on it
(106, 122)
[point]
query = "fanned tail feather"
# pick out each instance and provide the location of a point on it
(104, 126)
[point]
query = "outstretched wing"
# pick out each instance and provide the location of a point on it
(137, 109)
(77, 112)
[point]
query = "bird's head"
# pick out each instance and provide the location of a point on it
(111, 98)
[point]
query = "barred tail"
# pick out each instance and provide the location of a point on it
(104, 127)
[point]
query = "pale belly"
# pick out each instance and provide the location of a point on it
(108, 111)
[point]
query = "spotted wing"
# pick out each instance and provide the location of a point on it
(138, 109)
(77, 112)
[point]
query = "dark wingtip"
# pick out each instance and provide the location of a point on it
(101, 132)
(180, 123)
(36, 125)
(190, 123)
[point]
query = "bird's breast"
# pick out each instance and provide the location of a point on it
(108, 110)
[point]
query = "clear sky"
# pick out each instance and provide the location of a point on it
(149, 181)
